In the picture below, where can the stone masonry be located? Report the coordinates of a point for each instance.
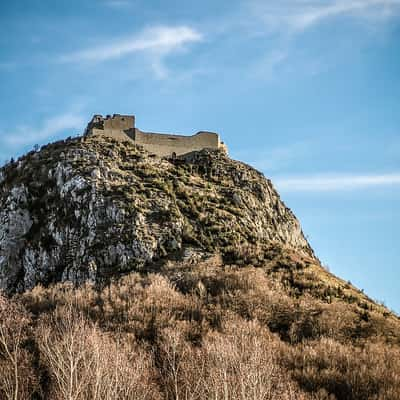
(122, 127)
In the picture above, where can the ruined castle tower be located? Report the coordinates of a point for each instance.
(122, 127)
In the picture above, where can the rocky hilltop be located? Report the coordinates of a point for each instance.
(132, 276)
(89, 208)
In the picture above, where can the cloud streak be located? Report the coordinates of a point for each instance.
(332, 183)
(299, 15)
(51, 127)
(159, 41)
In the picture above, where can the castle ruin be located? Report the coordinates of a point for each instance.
(122, 127)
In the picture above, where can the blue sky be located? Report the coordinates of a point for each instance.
(308, 91)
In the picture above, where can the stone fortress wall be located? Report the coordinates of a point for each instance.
(122, 127)
(116, 126)
(167, 145)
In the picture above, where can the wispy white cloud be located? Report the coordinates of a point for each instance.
(160, 40)
(24, 134)
(326, 183)
(154, 44)
(298, 15)
(281, 23)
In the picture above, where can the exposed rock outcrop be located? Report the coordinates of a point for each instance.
(91, 208)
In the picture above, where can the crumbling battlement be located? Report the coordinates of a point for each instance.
(122, 127)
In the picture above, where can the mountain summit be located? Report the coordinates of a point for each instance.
(95, 207)
(131, 270)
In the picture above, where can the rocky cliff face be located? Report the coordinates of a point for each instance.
(91, 208)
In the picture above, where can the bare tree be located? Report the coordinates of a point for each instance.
(65, 353)
(86, 363)
(238, 364)
(17, 379)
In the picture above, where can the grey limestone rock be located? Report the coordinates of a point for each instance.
(89, 210)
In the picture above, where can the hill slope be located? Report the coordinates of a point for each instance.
(88, 209)
(135, 277)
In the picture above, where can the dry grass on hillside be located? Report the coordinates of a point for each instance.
(203, 331)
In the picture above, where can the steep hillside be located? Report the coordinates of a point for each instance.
(126, 276)
(91, 208)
